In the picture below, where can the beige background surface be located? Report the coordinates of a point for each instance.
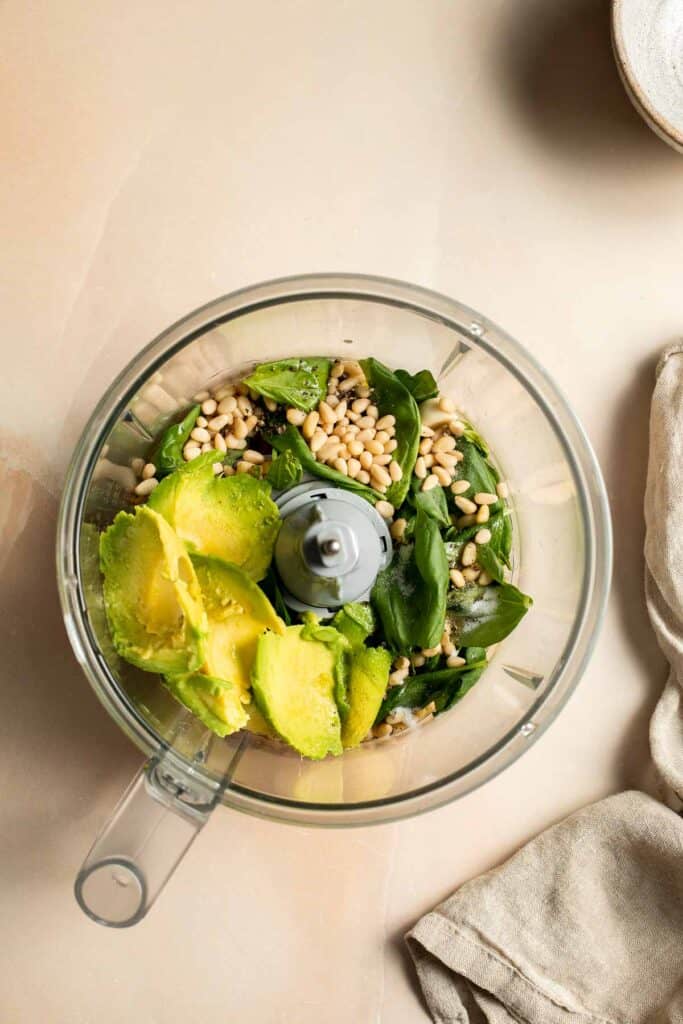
(155, 155)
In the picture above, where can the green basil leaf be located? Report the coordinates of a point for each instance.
(284, 471)
(301, 383)
(432, 565)
(421, 385)
(433, 502)
(168, 454)
(490, 556)
(475, 438)
(442, 686)
(291, 440)
(391, 396)
(478, 471)
(482, 616)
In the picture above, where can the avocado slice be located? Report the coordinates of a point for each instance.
(238, 613)
(368, 678)
(231, 517)
(151, 593)
(293, 680)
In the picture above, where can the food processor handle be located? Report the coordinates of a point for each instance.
(141, 845)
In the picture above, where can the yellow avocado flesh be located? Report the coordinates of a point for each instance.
(238, 613)
(233, 518)
(368, 679)
(151, 594)
(293, 684)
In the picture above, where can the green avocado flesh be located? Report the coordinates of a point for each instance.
(368, 678)
(151, 594)
(238, 613)
(294, 683)
(231, 517)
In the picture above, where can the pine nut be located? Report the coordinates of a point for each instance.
(482, 537)
(382, 437)
(431, 482)
(228, 471)
(339, 430)
(352, 430)
(483, 514)
(270, 404)
(398, 528)
(455, 661)
(381, 731)
(201, 435)
(375, 447)
(373, 411)
(469, 554)
(460, 486)
(217, 468)
(364, 391)
(191, 451)
(148, 471)
(310, 423)
(337, 370)
(328, 428)
(446, 443)
(239, 429)
(327, 414)
(503, 490)
(417, 660)
(363, 477)
(367, 422)
(209, 406)
(446, 460)
(420, 468)
(391, 446)
(360, 405)
(382, 460)
(425, 446)
(352, 416)
(201, 421)
(251, 422)
(226, 391)
(227, 405)
(365, 459)
(329, 451)
(256, 458)
(343, 452)
(317, 441)
(343, 421)
(442, 475)
(244, 405)
(201, 396)
(485, 498)
(355, 447)
(385, 422)
(402, 663)
(465, 505)
(146, 486)
(380, 474)
(235, 443)
(354, 467)
(219, 423)
(365, 435)
(219, 443)
(484, 579)
(207, 447)
(243, 467)
(395, 471)
(457, 428)
(448, 647)
(431, 652)
(341, 467)
(385, 509)
(457, 578)
(465, 521)
(296, 416)
(333, 401)
(397, 678)
(471, 574)
(349, 384)
(340, 410)
(137, 465)
(426, 431)
(446, 405)
(429, 460)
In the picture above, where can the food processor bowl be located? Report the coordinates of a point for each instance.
(562, 558)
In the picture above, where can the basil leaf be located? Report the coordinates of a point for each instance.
(291, 440)
(476, 664)
(421, 384)
(478, 471)
(356, 622)
(391, 396)
(443, 687)
(284, 471)
(433, 502)
(168, 454)
(490, 556)
(410, 594)
(482, 616)
(301, 383)
(475, 438)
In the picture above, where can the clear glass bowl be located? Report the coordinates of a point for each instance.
(562, 557)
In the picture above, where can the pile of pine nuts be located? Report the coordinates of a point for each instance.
(347, 432)
(438, 456)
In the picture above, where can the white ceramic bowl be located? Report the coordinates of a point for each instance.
(647, 37)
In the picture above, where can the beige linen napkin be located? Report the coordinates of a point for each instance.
(585, 924)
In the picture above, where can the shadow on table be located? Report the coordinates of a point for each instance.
(61, 753)
(556, 65)
(626, 480)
